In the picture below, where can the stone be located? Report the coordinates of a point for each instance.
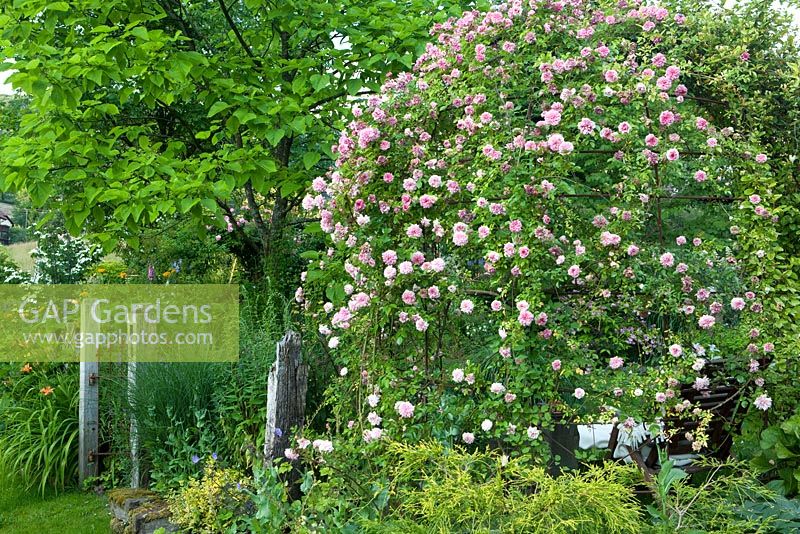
(139, 511)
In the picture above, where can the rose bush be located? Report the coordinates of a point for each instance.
(512, 191)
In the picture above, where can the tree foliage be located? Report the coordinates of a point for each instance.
(144, 110)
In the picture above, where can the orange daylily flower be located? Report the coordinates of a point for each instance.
(101, 269)
(123, 275)
(26, 368)
(46, 390)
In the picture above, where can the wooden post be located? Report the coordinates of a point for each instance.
(88, 403)
(134, 430)
(286, 395)
(134, 435)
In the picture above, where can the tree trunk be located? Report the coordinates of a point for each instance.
(286, 395)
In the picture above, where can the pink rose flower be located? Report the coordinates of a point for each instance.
(404, 409)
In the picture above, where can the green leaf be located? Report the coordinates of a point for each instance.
(313, 228)
(320, 81)
(274, 136)
(298, 124)
(299, 85)
(782, 452)
(187, 204)
(310, 159)
(58, 6)
(267, 165)
(354, 86)
(140, 32)
(217, 108)
(289, 187)
(308, 482)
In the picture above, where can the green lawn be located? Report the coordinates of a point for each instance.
(67, 513)
(21, 254)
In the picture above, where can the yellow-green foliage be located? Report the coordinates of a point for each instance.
(211, 503)
(435, 489)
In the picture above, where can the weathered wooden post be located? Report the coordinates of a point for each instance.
(88, 401)
(286, 395)
(134, 431)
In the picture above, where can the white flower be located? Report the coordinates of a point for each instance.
(763, 402)
(497, 388)
(533, 432)
(486, 425)
(322, 445)
(373, 434)
(458, 375)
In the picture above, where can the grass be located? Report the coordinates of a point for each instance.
(21, 254)
(72, 512)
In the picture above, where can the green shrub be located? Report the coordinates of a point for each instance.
(451, 490)
(430, 488)
(211, 503)
(712, 502)
(60, 258)
(176, 252)
(779, 454)
(188, 409)
(241, 398)
(39, 426)
(9, 271)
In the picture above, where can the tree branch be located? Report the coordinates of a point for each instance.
(236, 32)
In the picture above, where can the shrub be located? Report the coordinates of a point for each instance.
(427, 487)
(240, 399)
(9, 271)
(451, 490)
(213, 502)
(715, 502)
(177, 252)
(779, 454)
(514, 185)
(62, 259)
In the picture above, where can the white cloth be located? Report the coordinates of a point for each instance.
(599, 435)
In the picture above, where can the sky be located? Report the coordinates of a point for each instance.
(5, 89)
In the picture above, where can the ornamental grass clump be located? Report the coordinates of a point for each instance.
(503, 235)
